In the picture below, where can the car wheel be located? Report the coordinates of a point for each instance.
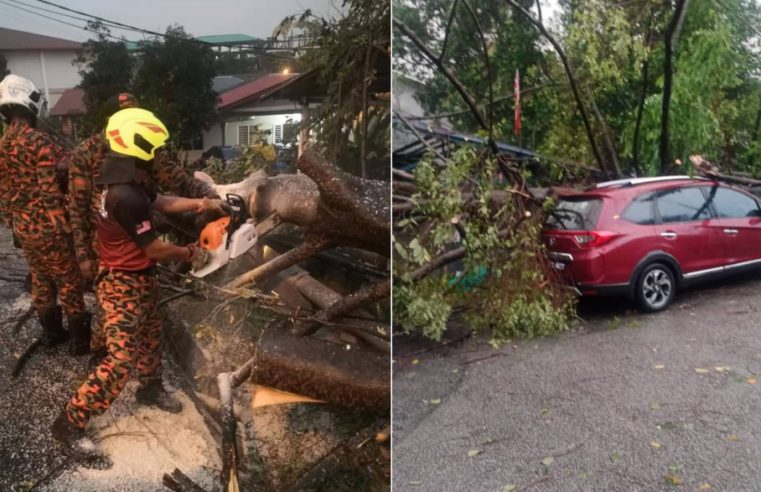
(655, 288)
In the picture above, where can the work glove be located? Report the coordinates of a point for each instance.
(197, 256)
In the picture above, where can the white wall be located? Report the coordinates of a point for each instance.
(404, 102)
(213, 136)
(60, 73)
(404, 97)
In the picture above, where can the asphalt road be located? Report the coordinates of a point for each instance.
(149, 442)
(625, 401)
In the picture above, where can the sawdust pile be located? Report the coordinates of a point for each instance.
(144, 443)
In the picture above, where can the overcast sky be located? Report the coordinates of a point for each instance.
(199, 17)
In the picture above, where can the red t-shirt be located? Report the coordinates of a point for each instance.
(125, 227)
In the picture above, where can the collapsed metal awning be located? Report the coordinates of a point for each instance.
(445, 141)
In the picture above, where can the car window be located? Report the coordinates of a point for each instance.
(731, 203)
(683, 205)
(575, 213)
(640, 210)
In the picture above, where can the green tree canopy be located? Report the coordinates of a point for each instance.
(171, 76)
(106, 69)
(617, 52)
(174, 80)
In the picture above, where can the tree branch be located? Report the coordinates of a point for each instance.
(487, 62)
(450, 257)
(352, 302)
(607, 138)
(642, 98)
(448, 30)
(496, 101)
(459, 87)
(296, 255)
(668, 74)
(419, 136)
(571, 79)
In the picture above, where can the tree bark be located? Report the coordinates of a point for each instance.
(608, 139)
(638, 123)
(352, 302)
(668, 74)
(323, 371)
(272, 267)
(757, 125)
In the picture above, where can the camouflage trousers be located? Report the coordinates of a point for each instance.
(98, 332)
(55, 272)
(132, 324)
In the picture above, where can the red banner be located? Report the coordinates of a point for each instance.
(517, 126)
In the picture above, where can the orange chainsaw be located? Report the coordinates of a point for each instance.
(227, 238)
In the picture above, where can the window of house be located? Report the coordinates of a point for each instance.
(278, 133)
(244, 132)
(683, 205)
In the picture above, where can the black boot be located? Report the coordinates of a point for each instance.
(79, 328)
(75, 439)
(52, 327)
(153, 393)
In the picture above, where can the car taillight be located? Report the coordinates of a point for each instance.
(594, 238)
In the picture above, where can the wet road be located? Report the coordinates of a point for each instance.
(624, 402)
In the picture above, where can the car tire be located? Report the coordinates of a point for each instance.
(655, 288)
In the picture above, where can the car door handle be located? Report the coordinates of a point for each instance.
(731, 232)
(668, 235)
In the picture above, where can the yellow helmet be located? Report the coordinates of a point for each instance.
(136, 132)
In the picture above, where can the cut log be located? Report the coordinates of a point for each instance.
(709, 170)
(326, 202)
(323, 371)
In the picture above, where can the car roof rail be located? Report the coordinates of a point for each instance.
(637, 181)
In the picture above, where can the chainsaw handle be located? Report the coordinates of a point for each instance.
(238, 215)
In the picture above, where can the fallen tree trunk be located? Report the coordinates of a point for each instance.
(707, 169)
(323, 371)
(331, 207)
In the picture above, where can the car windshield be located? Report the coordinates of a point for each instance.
(575, 213)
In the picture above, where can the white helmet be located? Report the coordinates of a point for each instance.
(20, 91)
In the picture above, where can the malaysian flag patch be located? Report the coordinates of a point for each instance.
(144, 227)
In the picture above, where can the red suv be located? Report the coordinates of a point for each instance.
(647, 237)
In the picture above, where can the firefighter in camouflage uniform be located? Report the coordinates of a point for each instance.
(84, 197)
(34, 206)
(128, 249)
